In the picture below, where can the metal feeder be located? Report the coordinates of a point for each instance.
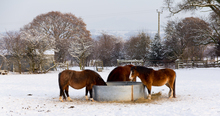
(119, 91)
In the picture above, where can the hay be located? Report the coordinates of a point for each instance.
(155, 99)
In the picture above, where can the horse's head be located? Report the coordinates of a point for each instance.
(133, 73)
(100, 81)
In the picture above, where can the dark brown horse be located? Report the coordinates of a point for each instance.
(120, 73)
(150, 77)
(78, 80)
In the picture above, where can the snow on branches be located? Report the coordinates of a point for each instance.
(79, 49)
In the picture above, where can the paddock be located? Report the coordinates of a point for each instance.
(38, 94)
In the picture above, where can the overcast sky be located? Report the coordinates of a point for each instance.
(97, 14)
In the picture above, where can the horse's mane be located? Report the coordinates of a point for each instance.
(130, 65)
(143, 70)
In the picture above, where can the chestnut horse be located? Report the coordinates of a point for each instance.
(120, 73)
(150, 77)
(78, 80)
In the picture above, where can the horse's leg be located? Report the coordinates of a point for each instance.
(167, 84)
(90, 92)
(170, 94)
(174, 88)
(149, 91)
(61, 94)
(67, 94)
(86, 96)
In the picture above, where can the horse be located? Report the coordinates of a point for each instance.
(120, 73)
(78, 80)
(150, 77)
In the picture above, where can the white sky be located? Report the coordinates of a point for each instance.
(97, 14)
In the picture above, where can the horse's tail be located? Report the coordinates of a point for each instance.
(60, 86)
(174, 87)
(59, 80)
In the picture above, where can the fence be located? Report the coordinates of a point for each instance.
(135, 62)
(195, 63)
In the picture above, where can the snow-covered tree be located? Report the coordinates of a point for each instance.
(2, 51)
(192, 5)
(36, 43)
(156, 52)
(13, 46)
(80, 49)
(108, 48)
(174, 41)
(63, 27)
(138, 46)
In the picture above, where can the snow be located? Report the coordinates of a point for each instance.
(198, 93)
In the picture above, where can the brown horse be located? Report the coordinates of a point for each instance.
(78, 80)
(150, 77)
(120, 73)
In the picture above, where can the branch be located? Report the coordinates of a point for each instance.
(50, 68)
(192, 6)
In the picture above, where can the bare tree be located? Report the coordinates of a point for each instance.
(174, 44)
(192, 5)
(15, 48)
(187, 38)
(137, 47)
(36, 43)
(2, 51)
(215, 25)
(107, 48)
(63, 28)
(80, 49)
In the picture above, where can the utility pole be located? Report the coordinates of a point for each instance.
(159, 12)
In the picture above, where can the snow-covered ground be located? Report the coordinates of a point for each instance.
(198, 93)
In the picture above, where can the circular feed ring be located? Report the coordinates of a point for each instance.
(119, 91)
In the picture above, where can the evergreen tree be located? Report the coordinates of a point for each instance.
(156, 53)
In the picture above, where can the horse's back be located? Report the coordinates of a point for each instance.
(165, 74)
(120, 73)
(66, 74)
(168, 72)
(94, 78)
(80, 79)
(115, 74)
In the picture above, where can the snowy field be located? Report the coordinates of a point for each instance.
(198, 93)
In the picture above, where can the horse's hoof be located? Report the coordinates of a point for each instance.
(91, 99)
(87, 98)
(171, 96)
(149, 97)
(69, 99)
(60, 99)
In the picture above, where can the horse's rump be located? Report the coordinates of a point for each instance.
(120, 73)
(163, 76)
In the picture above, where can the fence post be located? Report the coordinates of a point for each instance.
(177, 64)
